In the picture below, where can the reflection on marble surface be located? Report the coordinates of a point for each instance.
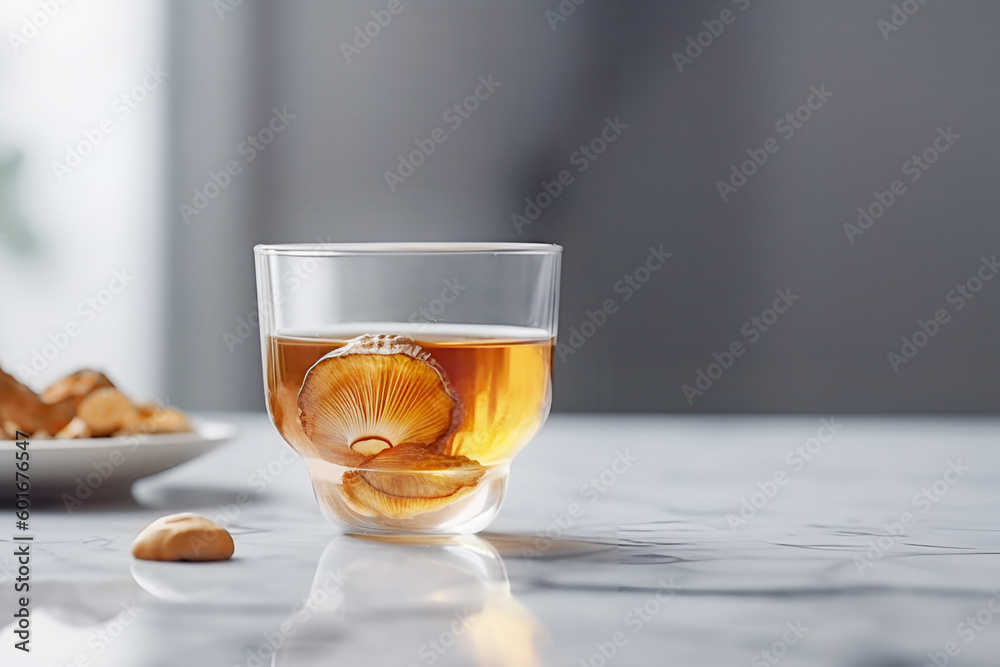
(374, 595)
(724, 541)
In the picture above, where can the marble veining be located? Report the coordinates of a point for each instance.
(624, 540)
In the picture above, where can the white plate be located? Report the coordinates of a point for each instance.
(89, 467)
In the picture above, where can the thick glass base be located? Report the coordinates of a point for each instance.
(469, 512)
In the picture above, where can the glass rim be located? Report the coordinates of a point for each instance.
(404, 248)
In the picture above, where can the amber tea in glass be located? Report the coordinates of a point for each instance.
(408, 426)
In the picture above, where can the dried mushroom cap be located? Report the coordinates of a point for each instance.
(153, 418)
(77, 384)
(105, 410)
(374, 393)
(21, 409)
(76, 428)
(186, 536)
(409, 470)
(408, 480)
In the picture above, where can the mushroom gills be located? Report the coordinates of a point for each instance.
(373, 394)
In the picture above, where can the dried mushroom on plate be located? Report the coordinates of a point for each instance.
(84, 404)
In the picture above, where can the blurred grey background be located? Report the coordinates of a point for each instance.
(887, 93)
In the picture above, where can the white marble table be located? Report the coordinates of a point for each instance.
(625, 537)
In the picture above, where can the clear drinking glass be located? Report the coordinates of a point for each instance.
(408, 375)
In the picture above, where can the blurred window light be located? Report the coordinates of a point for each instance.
(82, 134)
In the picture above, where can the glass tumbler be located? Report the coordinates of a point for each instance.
(408, 375)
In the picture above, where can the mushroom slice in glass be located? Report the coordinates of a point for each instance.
(409, 480)
(374, 393)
